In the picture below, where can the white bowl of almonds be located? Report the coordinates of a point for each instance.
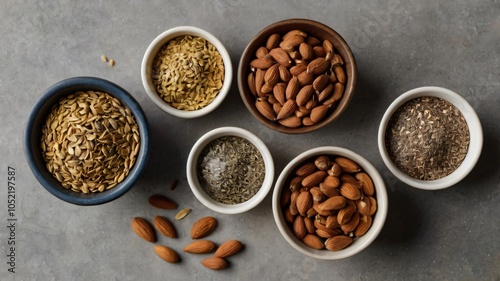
(430, 138)
(330, 203)
(230, 170)
(187, 72)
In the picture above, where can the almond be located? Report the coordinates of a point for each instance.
(296, 183)
(366, 183)
(277, 107)
(316, 206)
(335, 170)
(291, 122)
(299, 228)
(164, 227)
(289, 218)
(287, 109)
(322, 233)
(261, 52)
(326, 92)
(292, 41)
(286, 194)
(143, 229)
(266, 88)
(161, 202)
(293, 208)
(331, 182)
(200, 247)
(365, 222)
(350, 179)
(373, 205)
(314, 178)
(311, 103)
(345, 215)
(364, 206)
(333, 77)
(295, 55)
(318, 113)
(351, 224)
(214, 263)
(251, 84)
(339, 73)
(262, 63)
(312, 211)
(338, 242)
(328, 46)
(292, 88)
(272, 75)
(203, 227)
(306, 121)
(308, 223)
(306, 51)
(228, 248)
(338, 91)
(332, 222)
(295, 32)
(333, 203)
(273, 41)
(313, 241)
(317, 195)
(319, 52)
(297, 69)
(348, 165)
(281, 57)
(265, 109)
(304, 202)
(305, 78)
(166, 253)
(259, 81)
(279, 93)
(318, 66)
(313, 41)
(304, 94)
(328, 190)
(336, 59)
(323, 227)
(350, 191)
(320, 82)
(306, 169)
(284, 73)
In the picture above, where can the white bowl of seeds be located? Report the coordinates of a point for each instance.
(230, 170)
(430, 138)
(187, 72)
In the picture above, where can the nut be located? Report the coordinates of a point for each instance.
(200, 247)
(214, 263)
(313, 241)
(229, 248)
(203, 227)
(143, 229)
(166, 253)
(338, 242)
(162, 202)
(164, 227)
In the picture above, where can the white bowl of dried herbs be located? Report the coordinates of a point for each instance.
(186, 71)
(430, 138)
(230, 170)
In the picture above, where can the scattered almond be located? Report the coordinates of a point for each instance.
(228, 248)
(203, 227)
(164, 227)
(162, 202)
(214, 263)
(143, 229)
(166, 253)
(200, 247)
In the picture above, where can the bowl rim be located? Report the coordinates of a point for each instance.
(351, 83)
(362, 242)
(159, 42)
(52, 95)
(475, 132)
(204, 198)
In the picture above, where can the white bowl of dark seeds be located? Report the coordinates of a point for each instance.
(430, 138)
(230, 170)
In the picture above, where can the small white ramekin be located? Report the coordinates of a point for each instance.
(192, 173)
(149, 57)
(475, 132)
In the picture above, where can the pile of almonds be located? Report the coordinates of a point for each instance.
(200, 229)
(329, 202)
(296, 79)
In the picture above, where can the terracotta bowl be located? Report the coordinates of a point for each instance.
(311, 28)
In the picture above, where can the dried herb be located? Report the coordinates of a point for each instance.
(231, 170)
(427, 138)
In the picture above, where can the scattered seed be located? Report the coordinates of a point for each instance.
(112, 62)
(182, 213)
(104, 58)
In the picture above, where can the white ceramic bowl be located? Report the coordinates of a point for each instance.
(359, 243)
(192, 175)
(149, 57)
(475, 130)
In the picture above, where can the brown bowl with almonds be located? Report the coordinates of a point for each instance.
(296, 76)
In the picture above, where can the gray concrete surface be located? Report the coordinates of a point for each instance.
(399, 45)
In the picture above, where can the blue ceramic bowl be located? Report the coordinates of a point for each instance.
(33, 134)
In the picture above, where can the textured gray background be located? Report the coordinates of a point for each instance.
(399, 45)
